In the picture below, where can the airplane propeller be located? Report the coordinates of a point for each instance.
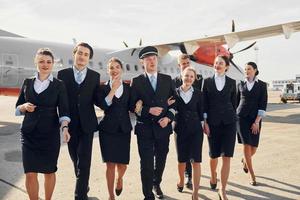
(231, 55)
(134, 49)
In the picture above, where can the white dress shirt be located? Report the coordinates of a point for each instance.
(186, 96)
(40, 86)
(118, 92)
(220, 81)
(250, 84)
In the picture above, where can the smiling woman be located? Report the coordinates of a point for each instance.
(39, 99)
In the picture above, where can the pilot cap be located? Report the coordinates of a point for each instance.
(148, 51)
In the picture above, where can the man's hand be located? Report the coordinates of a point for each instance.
(170, 101)
(163, 122)
(156, 111)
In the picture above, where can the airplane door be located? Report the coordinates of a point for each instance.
(9, 70)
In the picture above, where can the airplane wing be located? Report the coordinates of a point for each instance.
(4, 33)
(230, 38)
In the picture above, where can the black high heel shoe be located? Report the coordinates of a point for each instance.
(244, 166)
(119, 191)
(213, 186)
(179, 188)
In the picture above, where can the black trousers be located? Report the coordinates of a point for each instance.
(153, 154)
(80, 150)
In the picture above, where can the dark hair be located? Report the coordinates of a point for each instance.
(45, 52)
(115, 59)
(254, 66)
(86, 45)
(225, 58)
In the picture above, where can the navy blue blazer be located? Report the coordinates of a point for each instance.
(189, 116)
(141, 89)
(249, 102)
(116, 116)
(82, 99)
(220, 106)
(45, 117)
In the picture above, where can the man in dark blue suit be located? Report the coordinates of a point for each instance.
(82, 86)
(153, 126)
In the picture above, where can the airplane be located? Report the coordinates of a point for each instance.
(17, 53)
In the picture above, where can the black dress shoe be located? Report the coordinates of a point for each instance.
(189, 184)
(213, 186)
(157, 191)
(179, 188)
(244, 166)
(118, 191)
(253, 183)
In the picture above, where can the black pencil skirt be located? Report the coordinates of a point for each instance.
(222, 140)
(115, 147)
(245, 135)
(40, 150)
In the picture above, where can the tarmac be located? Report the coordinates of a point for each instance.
(276, 163)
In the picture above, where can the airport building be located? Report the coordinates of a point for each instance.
(278, 84)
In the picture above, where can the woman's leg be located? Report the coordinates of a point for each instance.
(121, 171)
(196, 179)
(249, 151)
(181, 169)
(32, 185)
(213, 167)
(49, 185)
(110, 177)
(224, 176)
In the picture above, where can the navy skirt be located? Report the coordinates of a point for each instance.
(245, 135)
(115, 147)
(40, 151)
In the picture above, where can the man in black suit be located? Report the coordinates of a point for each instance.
(82, 86)
(184, 62)
(153, 126)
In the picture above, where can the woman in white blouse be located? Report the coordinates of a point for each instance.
(188, 129)
(39, 99)
(252, 103)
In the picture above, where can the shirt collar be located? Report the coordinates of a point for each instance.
(218, 76)
(255, 80)
(110, 81)
(77, 71)
(149, 75)
(189, 90)
(49, 78)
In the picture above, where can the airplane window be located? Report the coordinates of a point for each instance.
(136, 68)
(165, 69)
(70, 62)
(100, 65)
(9, 62)
(172, 70)
(91, 63)
(127, 67)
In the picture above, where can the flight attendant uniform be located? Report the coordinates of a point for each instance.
(115, 126)
(188, 127)
(252, 101)
(40, 133)
(219, 109)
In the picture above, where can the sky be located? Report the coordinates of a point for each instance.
(107, 23)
